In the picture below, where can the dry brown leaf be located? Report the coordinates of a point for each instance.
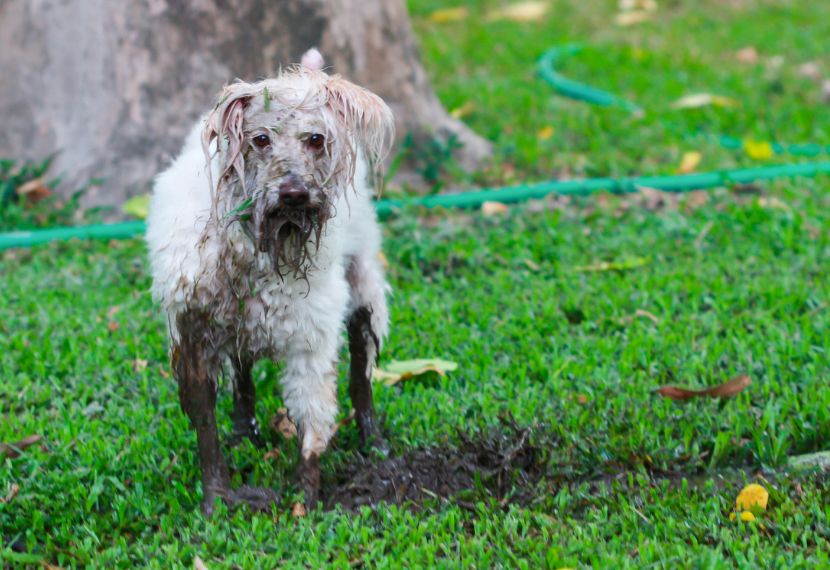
(582, 399)
(198, 564)
(112, 326)
(298, 510)
(34, 190)
(48, 566)
(748, 55)
(344, 422)
(493, 208)
(522, 12)
(272, 454)
(727, 389)
(13, 450)
(139, 364)
(689, 162)
(283, 424)
(13, 491)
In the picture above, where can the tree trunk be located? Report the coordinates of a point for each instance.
(113, 86)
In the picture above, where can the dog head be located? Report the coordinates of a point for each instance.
(287, 147)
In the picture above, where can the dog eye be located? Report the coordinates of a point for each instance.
(261, 141)
(316, 141)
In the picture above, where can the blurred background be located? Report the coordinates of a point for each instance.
(97, 96)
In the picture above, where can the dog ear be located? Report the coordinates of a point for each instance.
(225, 125)
(363, 115)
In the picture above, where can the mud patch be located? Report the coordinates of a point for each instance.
(503, 465)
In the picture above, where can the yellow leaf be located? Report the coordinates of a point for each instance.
(746, 516)
(758, 150)
(398, 371)
(137, 206)
(521, 12)
(697, 100)
(493, 208)
(448, 15)
(545, 133)
(463, 110)
(752, 495)
(689, 162)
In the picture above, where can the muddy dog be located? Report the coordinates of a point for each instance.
(264, 243)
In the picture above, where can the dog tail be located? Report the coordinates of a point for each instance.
(313, 60)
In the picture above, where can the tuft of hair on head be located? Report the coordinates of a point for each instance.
(313, 60)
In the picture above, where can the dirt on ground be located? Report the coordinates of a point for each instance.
(502, 465)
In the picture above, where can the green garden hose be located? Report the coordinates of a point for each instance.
(512, 194)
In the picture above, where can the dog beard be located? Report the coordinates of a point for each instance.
(291, 237)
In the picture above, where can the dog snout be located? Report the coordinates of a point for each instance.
(293, 193)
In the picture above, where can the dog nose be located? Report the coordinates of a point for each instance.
(293, 193)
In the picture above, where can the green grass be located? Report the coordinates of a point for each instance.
(736, 286)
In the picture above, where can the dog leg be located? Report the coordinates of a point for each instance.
(363, 349)
(310, 394)
(244, 403)
(197, 395)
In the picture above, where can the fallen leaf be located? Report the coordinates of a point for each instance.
(545, 133)
(283, 424)
(629, 5)
(810, 70)
(752, 496)
(633, 18)
(198, 564)
(532, 265)
(112, 326)
(773, 203)
(727, 389)
(447, 15)
(493, 208)
(698, 100)
(747, 55)
(34, 190)
(272, 454)
(645, 314)
(820, 460)
(13, 450)
(758, 150)
(298, 510)
(345, 421)
(398, 371)
(137, 206)
(463, 111)
(13, 491)
(689, 162)
(139, 365)
(521, 12)
(582, 399)
(632, 263)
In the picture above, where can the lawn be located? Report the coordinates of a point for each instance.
(693, 292)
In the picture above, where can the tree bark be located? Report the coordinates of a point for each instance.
(112, 86)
